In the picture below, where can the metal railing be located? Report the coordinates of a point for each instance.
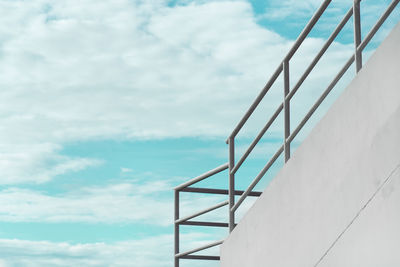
(283, 67)
(288, 94)
(187, 220)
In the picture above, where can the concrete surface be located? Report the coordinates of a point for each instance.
(337, 201)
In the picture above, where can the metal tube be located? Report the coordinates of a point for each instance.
(200, 257)
(377, 26)
(291, 52)
(257, 139)
(176, 229)
(357, 34)
(257, 179)
(231, 183)
(219, 205)
(203, 176)
(256, 102)
(321, 53)
(308, 28)
(286, 109)
(213, 244)
(321, 98)
(218, 191)
(211, 224)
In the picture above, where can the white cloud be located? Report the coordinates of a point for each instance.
(80, 70)
(37, 163)
(125, 202)
(151, 64)
(154, 251)
(126, 170)
(130, 202)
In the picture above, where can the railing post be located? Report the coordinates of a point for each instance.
(176, 230)
(357, 34)
(231, 144)
(286, 109)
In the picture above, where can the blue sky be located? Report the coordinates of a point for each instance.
(108, 105)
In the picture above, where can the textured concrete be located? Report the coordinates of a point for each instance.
(337, 201)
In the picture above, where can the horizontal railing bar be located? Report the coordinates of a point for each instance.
(321, 53)
(271, 81)
(210, 245)
(212, 224)
(203, 176)
(224, 203)
(307, 29)
(257, 179)
(257, 139)
(378, 25)
(218, 191)
(200, 257)
(256, 102)
(321, 98)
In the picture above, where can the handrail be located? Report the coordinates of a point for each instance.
(283, 67)
(284, 105)
(379, 23)
(201, 223)
(327, 44)
(210, 245)
(203, 176)
(186, 221)
(257, 179)
(200, 257)
(218, 191)
(257, 139)
(219, 205)
(185, 187)
(289, 55)
(321, 98)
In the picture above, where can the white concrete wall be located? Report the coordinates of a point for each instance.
(336, 202)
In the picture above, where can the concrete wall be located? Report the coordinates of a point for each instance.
(337, 201)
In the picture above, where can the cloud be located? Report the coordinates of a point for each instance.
(153, 251)
(84, 70)
(129, 202)
(37, 163)
(126, 170)
(75, 63)
(124, 202)
(127, 70)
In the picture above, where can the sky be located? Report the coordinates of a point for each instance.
(106, 106)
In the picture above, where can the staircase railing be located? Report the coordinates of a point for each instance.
(288, 94)
(187, 220)
(283, 67)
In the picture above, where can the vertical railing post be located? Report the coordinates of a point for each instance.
(357, 34)
(231, 144)
(286, 109)
(176, 230)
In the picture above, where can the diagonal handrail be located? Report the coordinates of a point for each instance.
(284, 105)
(210, 245)
(187, 218)
(292, 51)
(202, 177)
(283, 67)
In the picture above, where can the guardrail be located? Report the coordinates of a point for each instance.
(187, 220)
(288, 94)
(283, 67)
